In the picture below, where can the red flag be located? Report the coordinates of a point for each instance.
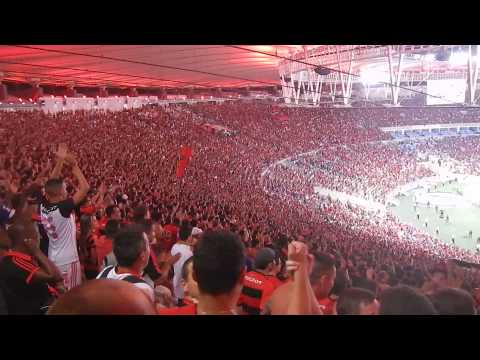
(185, 155)
(185, 152)
(280, 117)
(181, 166)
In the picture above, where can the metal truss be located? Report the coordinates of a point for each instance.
(300, 83)
(327, 55)
(472, 74)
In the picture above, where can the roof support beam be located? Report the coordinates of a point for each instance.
(395, 74)
(472, 74)
(346, 80)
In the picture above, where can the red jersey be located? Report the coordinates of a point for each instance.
(257, 289)
(104, 246)
(327, 305)
(172, 230)
(100, 226)
(88, 210)
(102, 222)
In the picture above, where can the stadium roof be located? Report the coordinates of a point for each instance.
(171, 66)
(142, 65)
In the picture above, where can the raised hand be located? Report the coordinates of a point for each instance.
(62, 151)
(102, 188)
(370, 273)
(71, 160)
(297, 255)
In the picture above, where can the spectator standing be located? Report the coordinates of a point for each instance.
(132, 251)
(181, 251)
(58, 219)
(259, 284)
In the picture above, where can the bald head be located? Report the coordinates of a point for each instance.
(21, 230)
(104, 297)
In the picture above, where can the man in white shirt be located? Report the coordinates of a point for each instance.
(58, 219)
(181, 252)
(132, 251)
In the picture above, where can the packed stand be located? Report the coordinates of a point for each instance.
(121, 214)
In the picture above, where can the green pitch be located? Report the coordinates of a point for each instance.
(461, 219)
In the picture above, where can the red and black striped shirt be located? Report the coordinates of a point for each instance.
(22, 295)
(257, 289)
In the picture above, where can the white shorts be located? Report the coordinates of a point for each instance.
(72, 275)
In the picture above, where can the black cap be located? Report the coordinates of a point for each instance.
(264, 257)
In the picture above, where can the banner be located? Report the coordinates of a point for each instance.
(280, 117)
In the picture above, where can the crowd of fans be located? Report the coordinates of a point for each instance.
(89, 195)
(367, 170)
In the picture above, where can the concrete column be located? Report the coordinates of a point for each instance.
(3, 92)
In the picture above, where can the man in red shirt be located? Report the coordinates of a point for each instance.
(218, 270)
(172, 230)
(259, 284)
(112, 212)
(322, 278)
(104, 242)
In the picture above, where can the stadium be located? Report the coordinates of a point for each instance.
(239, 179)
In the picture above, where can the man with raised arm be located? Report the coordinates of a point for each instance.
(58, 219)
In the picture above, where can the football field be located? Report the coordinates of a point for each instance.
(463, 216)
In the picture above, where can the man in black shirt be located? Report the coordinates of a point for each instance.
(25, 273)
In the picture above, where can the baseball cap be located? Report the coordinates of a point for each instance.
(196, 231)
(264, 257)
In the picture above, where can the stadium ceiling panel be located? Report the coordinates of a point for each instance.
(173, 66)
(142, 65)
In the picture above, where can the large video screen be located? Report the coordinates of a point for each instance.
(451, 91)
